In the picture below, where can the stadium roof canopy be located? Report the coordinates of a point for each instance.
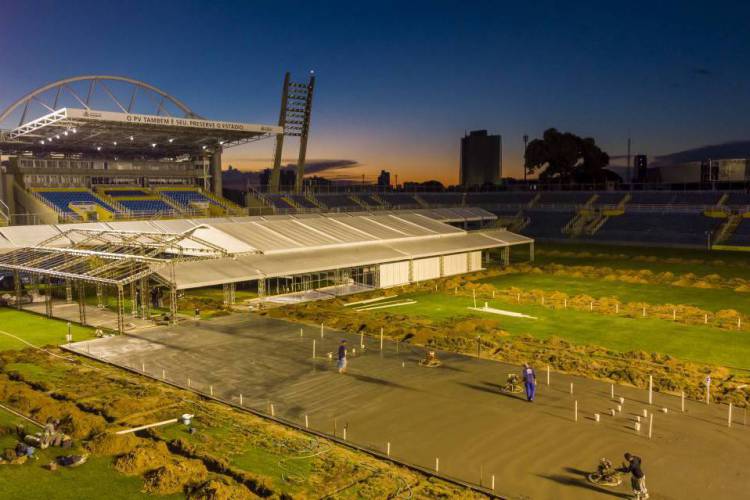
(221, 251)
(113, 115)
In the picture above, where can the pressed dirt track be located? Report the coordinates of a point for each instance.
(454, 412)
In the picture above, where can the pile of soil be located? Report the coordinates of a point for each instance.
(174, 476)
(145, 457)
(113, 444)
(220, 489)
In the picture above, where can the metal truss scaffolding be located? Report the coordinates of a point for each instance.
(108, 258)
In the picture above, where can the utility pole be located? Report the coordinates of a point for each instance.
(525, 142)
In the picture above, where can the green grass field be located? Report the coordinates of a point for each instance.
(36, 329)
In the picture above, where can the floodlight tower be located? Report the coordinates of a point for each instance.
(294, 118)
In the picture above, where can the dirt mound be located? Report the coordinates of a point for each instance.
(112, 444)
(143, 458)
(220, 489)
(174, 476)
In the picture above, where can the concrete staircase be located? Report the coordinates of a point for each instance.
(727, 229)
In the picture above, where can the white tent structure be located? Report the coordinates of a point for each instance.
(294, 253)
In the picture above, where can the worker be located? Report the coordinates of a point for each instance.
(529, 381)
(637, 476)
(341, 365)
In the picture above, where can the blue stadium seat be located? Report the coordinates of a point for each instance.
(741, 235)
(150, 207)
(117, 193)
(658, 227)
(184, 197)
(337, 201)
(62, 199)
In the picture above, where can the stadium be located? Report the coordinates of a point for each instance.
(136, 288)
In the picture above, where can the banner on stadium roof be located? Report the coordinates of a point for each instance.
(169, 121)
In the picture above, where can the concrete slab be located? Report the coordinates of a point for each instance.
(95, 316)
(455, 412)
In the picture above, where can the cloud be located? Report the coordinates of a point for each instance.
(734, 149)
(319, 166)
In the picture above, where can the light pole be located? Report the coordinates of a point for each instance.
(525, 142)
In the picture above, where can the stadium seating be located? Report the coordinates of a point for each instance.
(741, 235)
(609, 197)
(403, 200)
(442, 199)
(148, 206)
(738, 198)
(184, 197)
(658, 228)
(370, 200)
(61, 199)
(547, 224)
(500, 198)
(278, 201)
(301, 201)
(338, 201)
(565, 197)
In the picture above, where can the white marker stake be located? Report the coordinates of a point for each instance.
(188, 381)
(591, 306)
(682, 401)
(518, 298)
(143, 367)
(565, 303)
(344, 433)
(571, 387)
(273, 413)
(617, 308)
(240, 399)
(493, 294)
(163, 374)
(321, 330)
(437, 464)
(729, 418)
(547, 374)
(474, 295)
(650, 425)
(612, 391)
(211, 390)
(388, 449)
(300, 332)
(313, 348)
(644, 312)
(650, 389)
(705, 319)
(362, 340)
(575, 411)
(381, 339)
(307, 422)
(674, 314)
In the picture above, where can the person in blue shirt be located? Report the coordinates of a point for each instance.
(529, 381)
(341, 365)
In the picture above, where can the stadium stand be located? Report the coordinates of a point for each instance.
(63, 199)
(565, 197)
(125, 193)
(443, 199)
(500, 198)
(663, 228)
(547, 224)
(278, 201)
(186, 196)
(400, 200)
(301, 201)
(741, 235)
(737, 198)
(151, 207)
(337, 201)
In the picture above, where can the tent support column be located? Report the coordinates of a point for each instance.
(82, 302)
(99, 294)
(120, 310)
(133, 300)
(17, 283)
(48, 298)
(225, 289)
(68, 291)
(232, 290)
(172, 305)
(531, 251)
(261, 287)
(145, 313)
(506, 256)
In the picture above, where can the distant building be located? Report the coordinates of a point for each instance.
(481, 159)
(384, 179)
(720, 170)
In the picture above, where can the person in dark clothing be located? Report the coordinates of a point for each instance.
(637, 478)
(529, 381)
(341, 365)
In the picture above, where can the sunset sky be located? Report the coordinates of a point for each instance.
(400, 82)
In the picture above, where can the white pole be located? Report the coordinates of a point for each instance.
(729, 418)
(542, 299)
(650, 389)
(163, 374)
(307, 422)
(575, 411)
(300, 332)
(361, 340)
(682, 401)
(650, 424)
(518, 298)
(321, 330)
(493, 482)
(612, 391)
(143, 367)
(211, 389)
(240, 399)
(188, 381)
(617, 308)
(313, 348)
(705, 319)
(273, 413)
(388, 449)
(565, 303)
(591, 305)
(547, 374)
(674, 314)
(493, 294)
(381, 338)
(437, 464)
(644, 311)
(474, 295)
(571, 387)
(344, 433)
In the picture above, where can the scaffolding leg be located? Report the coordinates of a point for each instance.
(48, 298)
(82, 302)
(99, 295)
(120, 310)
(172, 305)
(145, 313)
(133, 300)
(17, 283)
(531, 251)
(261, 288)
(506, 256)
(225, 288)
(232, 290)
(68, 291)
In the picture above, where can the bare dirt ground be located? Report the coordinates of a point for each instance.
(455, 412)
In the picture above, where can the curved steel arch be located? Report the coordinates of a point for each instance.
(61, 84)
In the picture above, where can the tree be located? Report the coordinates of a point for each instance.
(567, 158)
